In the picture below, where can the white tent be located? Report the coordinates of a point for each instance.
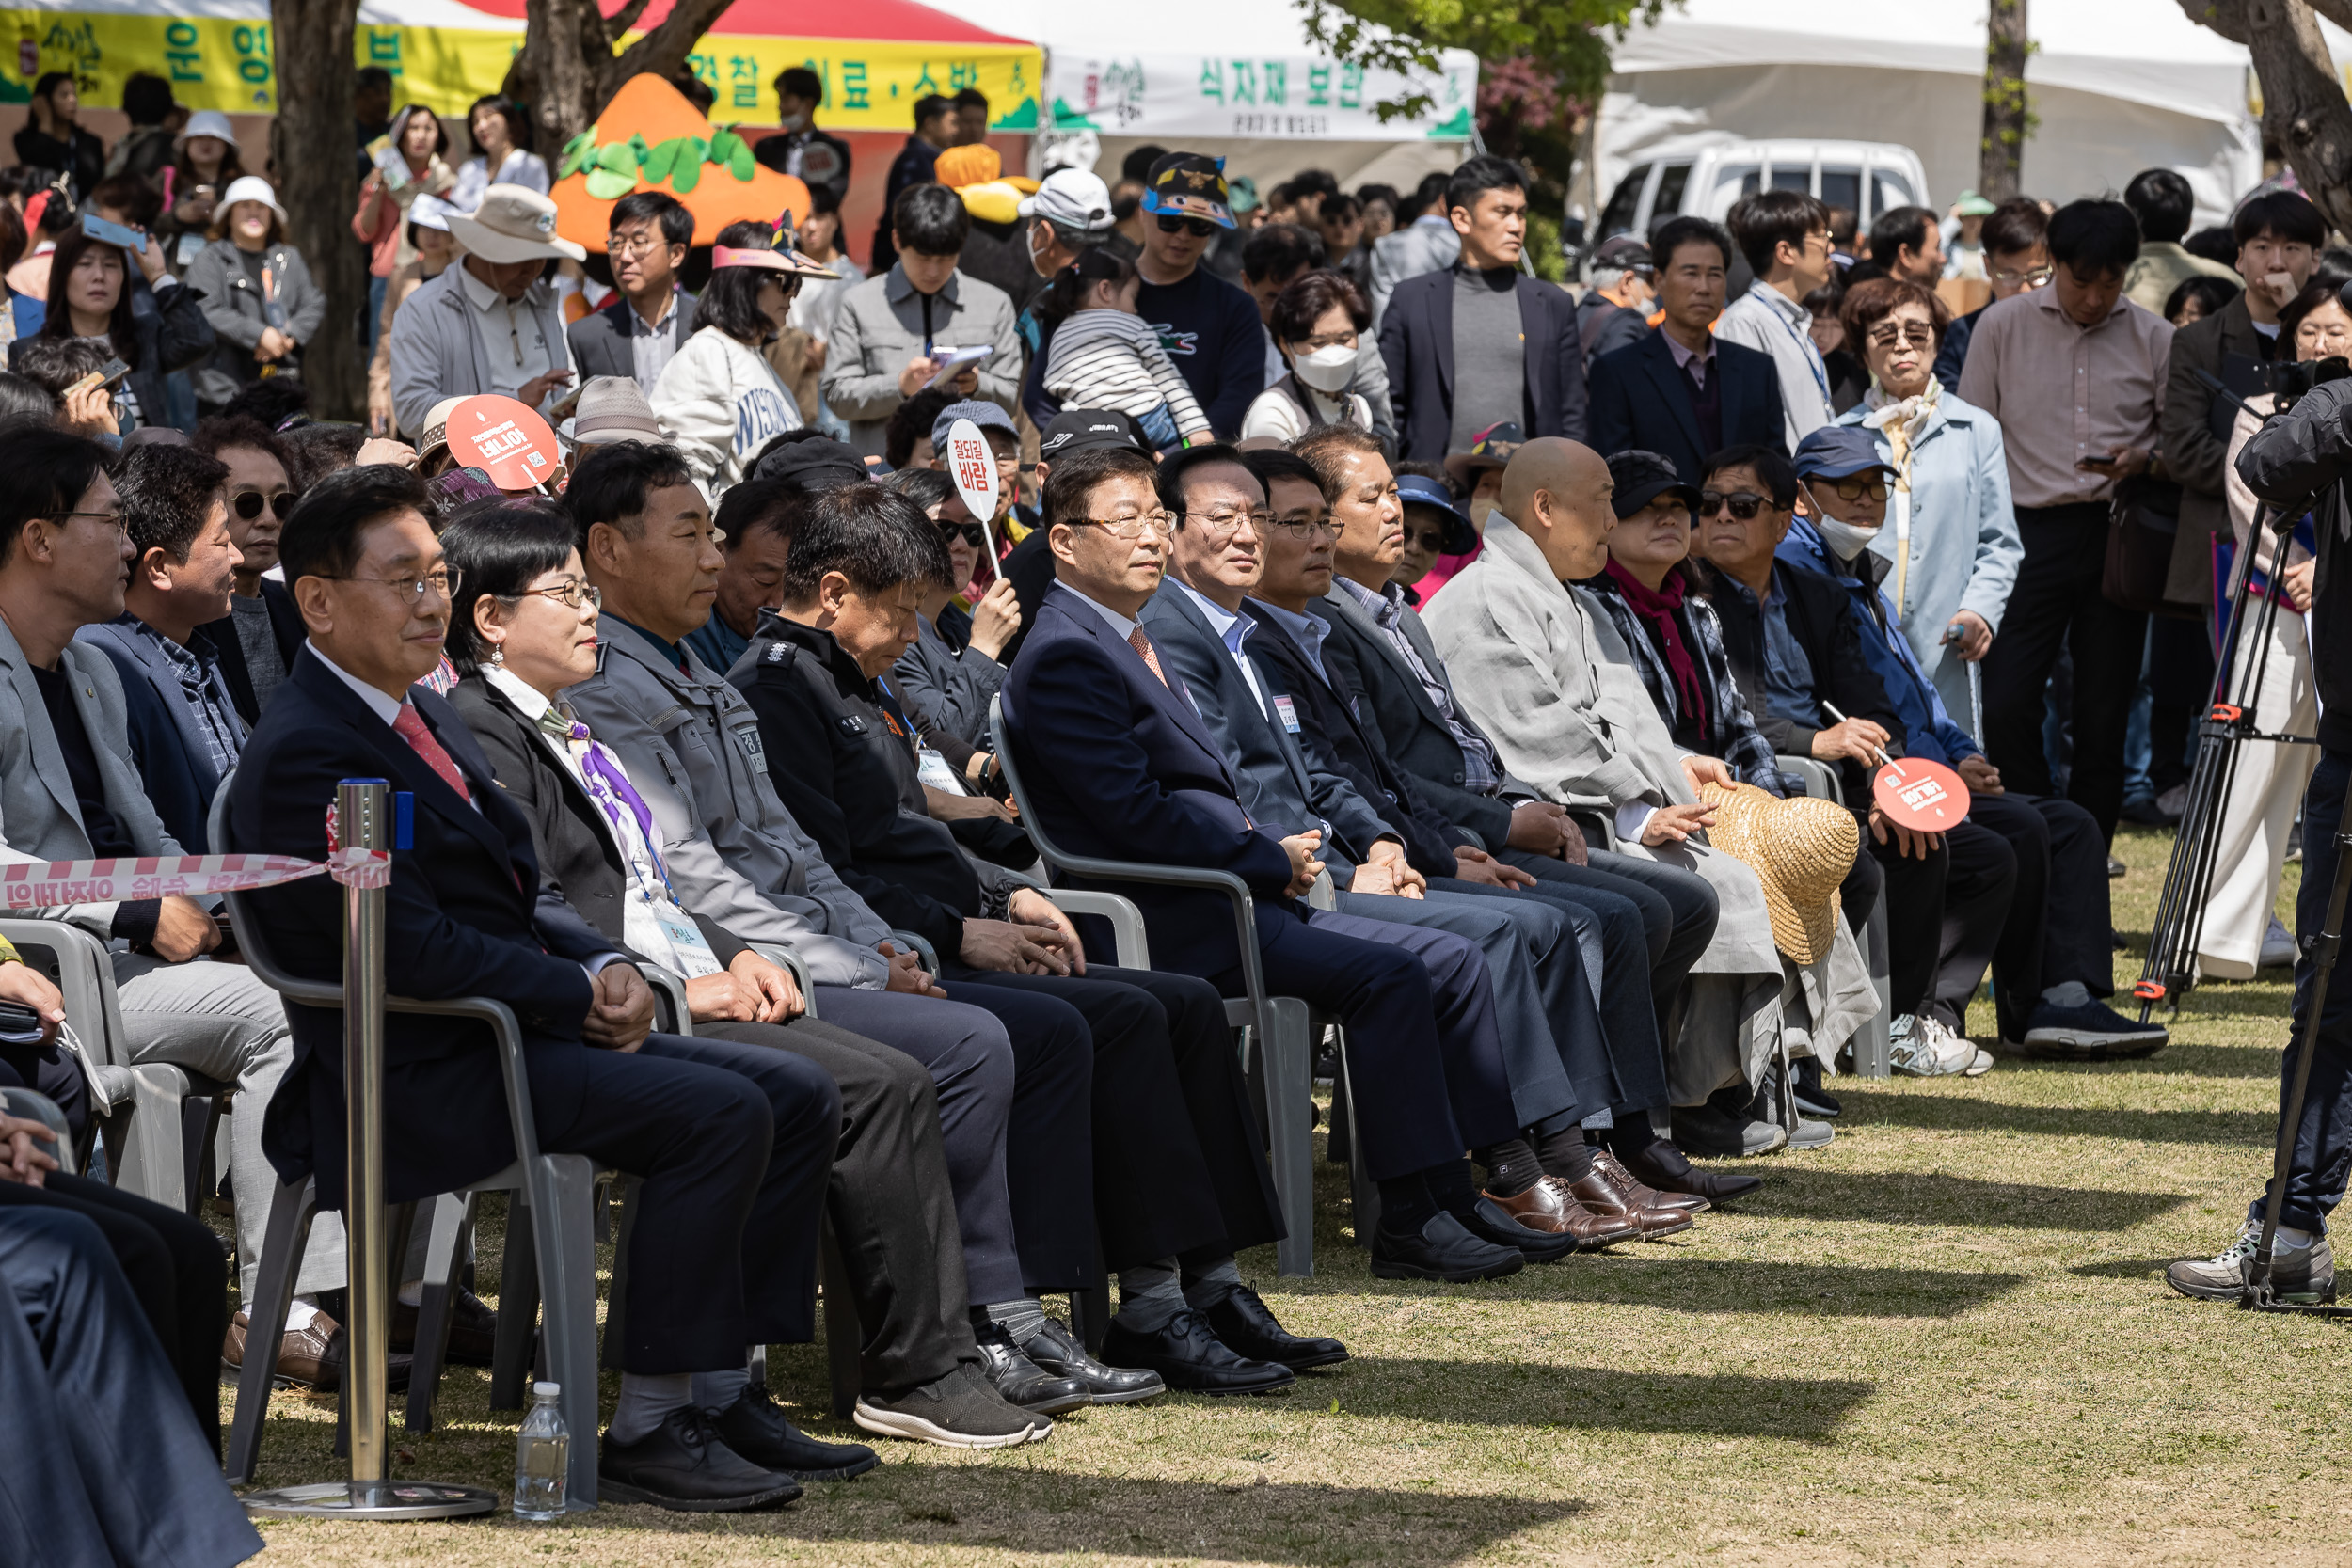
(1233, 77)
(2117, 86)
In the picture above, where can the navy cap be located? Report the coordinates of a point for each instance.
(1642, 477)
(986, 415)
(1839, 451)
(1420, 490)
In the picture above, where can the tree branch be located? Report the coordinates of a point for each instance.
(623, 20)
(2337, 11)
(663, 50)
(2226, 17)
(2304, 110)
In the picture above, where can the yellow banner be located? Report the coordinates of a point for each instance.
(223, 64)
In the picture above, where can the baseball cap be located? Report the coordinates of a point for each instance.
(1837, 452)
(1085, 430)
(1070, 199)
(1241, 194)
(1642, 477)
(1490, 448)
(1186, 184)
(1971, 205)
(1420, 490)
(1622, 252)
(988, 415)
(819, 463)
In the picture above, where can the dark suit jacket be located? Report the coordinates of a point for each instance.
(600, 339)
(175, 766)
(1118, 765)
(1641, 401)
(578, 859)
(1820, 621)
(1284, 791)
(465, 916)
(1417, 343)
(1397, 712)
(285, 624)
(2197, 443)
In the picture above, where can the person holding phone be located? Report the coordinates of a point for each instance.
(93, 290)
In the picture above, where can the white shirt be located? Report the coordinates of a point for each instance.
(1768, 321)
(512, 342)
(383, 706)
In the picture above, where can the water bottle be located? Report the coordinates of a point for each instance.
(541, 1457)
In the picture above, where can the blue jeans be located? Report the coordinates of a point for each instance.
(1159, 427)
(2322, 1142)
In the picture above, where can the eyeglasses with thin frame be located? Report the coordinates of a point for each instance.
(1161, 522)
(1306, 528)
(1170, 222)
(571, 592)
(1743, 504)
(2032, 277)
(1222, 525)
(249, 503)
(635, 244)
(115, 518)
(443, 580)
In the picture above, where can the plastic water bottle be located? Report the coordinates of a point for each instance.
(541, 1457)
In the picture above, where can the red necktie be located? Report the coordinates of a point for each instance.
(410, 727)
(1143, 645)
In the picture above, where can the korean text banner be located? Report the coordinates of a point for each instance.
(1302, 97)
(227, 62)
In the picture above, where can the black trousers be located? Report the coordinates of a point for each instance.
(1679, 909)
(733, 1145)
(1915, 893)
(98, 1466)
(2323, 1139)
(891, 1206)
(2027, 893)
(176, 1272)
(2058, 598)
(1167, 1092)
(50, 1070)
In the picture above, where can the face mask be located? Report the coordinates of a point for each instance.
(1845, 540)
(1327, 369)
(795, 122)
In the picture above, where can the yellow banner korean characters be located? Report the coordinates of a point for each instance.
(229, 64)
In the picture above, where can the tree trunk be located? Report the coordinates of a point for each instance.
(318, 183)
(2007, 120)
(2304, 109)
(566, 71)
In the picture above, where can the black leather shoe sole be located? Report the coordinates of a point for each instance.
(1300, 1362)
(1272, 1384)
(1398, 1268)
(611, 1489)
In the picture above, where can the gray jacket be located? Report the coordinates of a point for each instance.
(437, 345)
(237, 313)
(946, 688)
(40, 817)
(1422, 246)
(691, 744)
(878, 328)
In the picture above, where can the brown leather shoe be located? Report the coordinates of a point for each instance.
(1551, 1206)
(1645, 1195)
(473, 1327)
(1600, 1194)
(310, 1356)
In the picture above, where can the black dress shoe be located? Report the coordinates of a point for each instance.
(1021, 1381)
(1440, 1249)
(1059, 1351)
(1246, 1326)
(1191, 1359)
(756, 1430)
(1663, 1167)
(473, 1327)
(683, 1466)
(1490, 1222)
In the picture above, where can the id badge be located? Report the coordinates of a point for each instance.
(687, 945)
(933, 770)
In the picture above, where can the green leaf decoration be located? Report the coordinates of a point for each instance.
(578, 151)
(686, 171)
(723, 146)
(619, 158)
(742, 164)
(656, 163)
(609, 185)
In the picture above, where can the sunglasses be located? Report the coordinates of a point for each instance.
(1201, 228)
(249, 504)
(1743, 504)
(971, 531)
(1857, 486)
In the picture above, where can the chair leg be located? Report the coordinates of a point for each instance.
(197, 1115)
(623, 1194)
(566, 1246)
(1090, 1315)
(289, 1232)
(151, 1161)
(1364, 1195)
(1872, 1042)
(452, 1216)
(1286, 1052)
(1340, 1147)
(845, 1335)
(519, 1308)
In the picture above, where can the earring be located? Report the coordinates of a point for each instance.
(498, 659)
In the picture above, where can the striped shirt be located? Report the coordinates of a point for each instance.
(1110, 359)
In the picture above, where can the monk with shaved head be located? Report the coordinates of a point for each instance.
(1540, 667)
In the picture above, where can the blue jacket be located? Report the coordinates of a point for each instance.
(1119, 766)
(174, 760)
(1924, 728)
(1640, 400)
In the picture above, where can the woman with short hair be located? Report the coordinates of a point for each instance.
(1318, 318)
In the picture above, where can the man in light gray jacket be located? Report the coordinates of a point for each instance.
(488, 324)
(1428, 244)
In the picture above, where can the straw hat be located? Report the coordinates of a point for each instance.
(1799, 849)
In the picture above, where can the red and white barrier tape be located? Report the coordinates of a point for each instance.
(56, 883)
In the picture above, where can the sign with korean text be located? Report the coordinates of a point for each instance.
(1292, 98)
(972, 466)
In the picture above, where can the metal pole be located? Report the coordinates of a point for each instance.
(363, 818)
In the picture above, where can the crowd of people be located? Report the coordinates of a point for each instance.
(1528, 656)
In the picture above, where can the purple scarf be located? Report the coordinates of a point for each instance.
(1660, 608)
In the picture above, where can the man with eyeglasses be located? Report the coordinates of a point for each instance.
(640, 327)
(2016, 259)
(69, 791)
(1784, 237)
(1209, 327)
(263, 631)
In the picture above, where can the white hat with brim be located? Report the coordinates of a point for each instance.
(252, 187)
(513, 223)
(206, 122)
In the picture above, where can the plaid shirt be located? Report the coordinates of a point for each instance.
(207, 696)
(1481, 769)
(1737, 741)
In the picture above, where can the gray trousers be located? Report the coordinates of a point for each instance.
(1531, 958)
(218, 1020)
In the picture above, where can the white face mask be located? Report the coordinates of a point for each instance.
(794, 122)
(1845, 540)
(1327, 369)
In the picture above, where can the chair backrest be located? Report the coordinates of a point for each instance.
(252, 938)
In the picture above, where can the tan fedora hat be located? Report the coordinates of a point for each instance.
(1799, 849)
(513, 223)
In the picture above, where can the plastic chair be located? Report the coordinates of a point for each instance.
(159, 1130)
(1870, 1043)
(1285, 1028)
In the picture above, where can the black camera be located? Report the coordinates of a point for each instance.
(2291, 379)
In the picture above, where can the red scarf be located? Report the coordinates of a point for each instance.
(1657, 607)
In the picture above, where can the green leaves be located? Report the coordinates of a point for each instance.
(656, 163)
(685, 172)
(576, 152)
(614, 168)
(1567, 39)
(606, 185)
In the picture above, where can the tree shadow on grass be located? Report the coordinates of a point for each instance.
(1947, 1113)
(1601, 1398)
(1719, 1285)
(1905, 1197)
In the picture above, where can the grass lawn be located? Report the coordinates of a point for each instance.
(1942, 1339)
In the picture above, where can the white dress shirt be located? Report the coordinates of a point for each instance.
(512, 342)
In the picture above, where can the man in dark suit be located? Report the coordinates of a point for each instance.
(1512, 338)
(649, 316)
(1121, 767)
(1678, 390)
(257, 639)
(731, 1142)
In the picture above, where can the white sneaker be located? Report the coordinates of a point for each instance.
(2278, 947)
(1920, 1046)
